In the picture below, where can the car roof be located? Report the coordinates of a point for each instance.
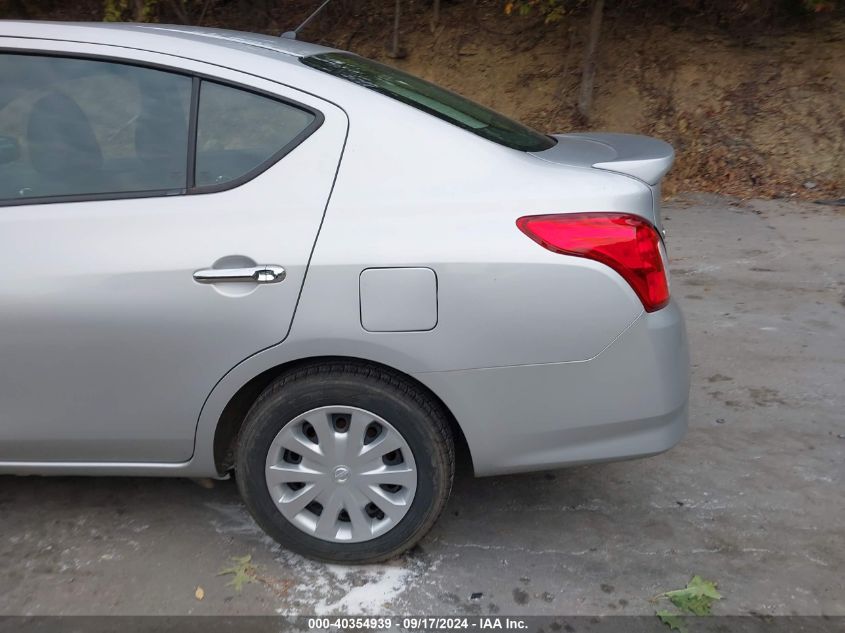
(161, 38)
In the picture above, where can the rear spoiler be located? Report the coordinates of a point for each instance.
(642, 157)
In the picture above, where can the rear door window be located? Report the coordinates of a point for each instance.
(80, 127)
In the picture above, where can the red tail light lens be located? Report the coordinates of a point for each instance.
(627, 243)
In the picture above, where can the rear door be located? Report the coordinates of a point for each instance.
(137, 273)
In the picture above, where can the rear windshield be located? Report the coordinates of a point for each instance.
(437, 101)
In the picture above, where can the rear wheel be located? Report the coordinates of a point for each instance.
(345, 462)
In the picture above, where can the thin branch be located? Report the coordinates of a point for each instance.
(205, 6)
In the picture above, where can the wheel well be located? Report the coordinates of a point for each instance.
(235, 412)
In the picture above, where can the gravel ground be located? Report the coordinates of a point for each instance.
(752, 498)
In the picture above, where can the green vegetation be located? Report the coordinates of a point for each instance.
(242, 572)
(695, 599)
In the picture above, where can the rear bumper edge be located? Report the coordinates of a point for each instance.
(629, 401)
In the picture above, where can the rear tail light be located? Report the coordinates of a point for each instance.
(627, 243)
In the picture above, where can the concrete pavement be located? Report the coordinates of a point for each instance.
(752, 498)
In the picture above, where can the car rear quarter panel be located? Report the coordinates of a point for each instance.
(413, 191)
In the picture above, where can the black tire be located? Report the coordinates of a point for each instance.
(414, 413)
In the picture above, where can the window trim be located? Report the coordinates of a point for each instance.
(190, 188)
(193, 125)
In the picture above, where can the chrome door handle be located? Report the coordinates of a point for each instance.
(270, 274)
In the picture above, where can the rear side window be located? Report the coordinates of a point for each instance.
(71, 127)
(239, 131)
(430, 98)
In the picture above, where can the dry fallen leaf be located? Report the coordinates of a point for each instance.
(199, 594)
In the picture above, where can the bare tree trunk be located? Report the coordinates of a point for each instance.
(585, 96)
(207, 4)
(14, 9)
(397, 14)
(139, 13)
(396, 51)
(178, 8)
(435, 14)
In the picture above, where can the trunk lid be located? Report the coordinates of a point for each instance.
(642, 157)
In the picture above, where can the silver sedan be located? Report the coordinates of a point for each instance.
(228, 253)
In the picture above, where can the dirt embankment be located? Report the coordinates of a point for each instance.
(761, 116)
(758, 115)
